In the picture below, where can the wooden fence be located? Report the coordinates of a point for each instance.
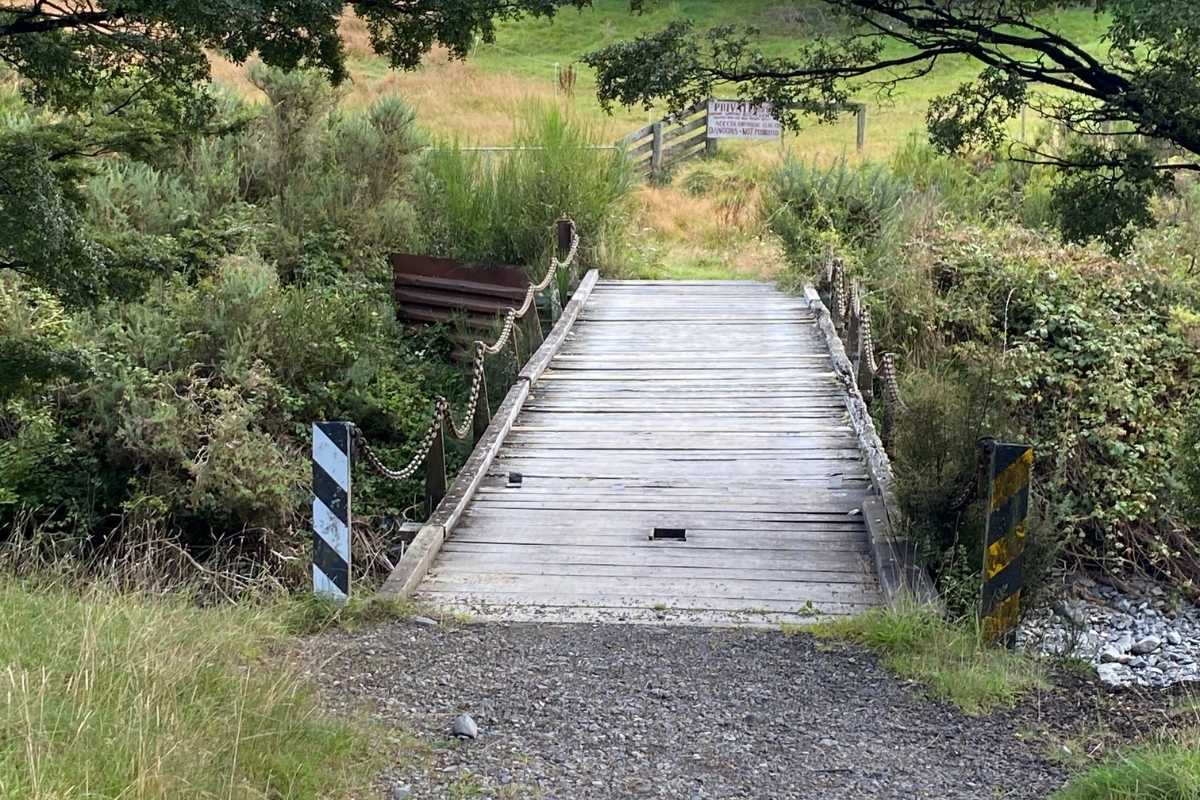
(669, 141)
(672, 140)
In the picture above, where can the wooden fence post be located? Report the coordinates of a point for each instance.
(435, 470)
(710, 144)
(656, 150)
(533, 329)
(564, 232)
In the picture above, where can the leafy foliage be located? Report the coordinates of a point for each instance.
(1005, 332)
(1140, 82)
(176, 407)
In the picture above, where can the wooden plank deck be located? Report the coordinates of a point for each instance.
(710, 406)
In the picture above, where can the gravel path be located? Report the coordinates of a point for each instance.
(615, 711)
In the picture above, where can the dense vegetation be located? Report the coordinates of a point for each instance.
(188, 279)
(162, 400)
(1003, 330)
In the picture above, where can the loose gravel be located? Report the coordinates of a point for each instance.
(1132, 639)
(569, 712)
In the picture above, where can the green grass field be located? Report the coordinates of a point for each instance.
(531, 49)
(677, 234)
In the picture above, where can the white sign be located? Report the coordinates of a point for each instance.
(733, 119)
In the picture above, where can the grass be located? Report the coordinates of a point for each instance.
(949, 659)
(1168, 770)
(680, 236)
(108, 696)
(470, 100)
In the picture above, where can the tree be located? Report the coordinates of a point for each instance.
(1121, 103)
(131, 76)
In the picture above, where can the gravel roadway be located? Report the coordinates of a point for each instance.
(569, 712)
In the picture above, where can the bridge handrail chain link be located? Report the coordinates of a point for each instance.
(849, 307)
(443, 414)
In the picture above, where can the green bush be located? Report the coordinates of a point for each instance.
(1090, 359)
(161, 398)
(817, 210)
(190, 410)
(334, 187)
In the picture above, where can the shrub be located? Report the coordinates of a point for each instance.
(335, 187)
(813, 208)
(1089, 359)
(190, 413)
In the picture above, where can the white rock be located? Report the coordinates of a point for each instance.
(1113, 674)
(1113, 656)
(1147, 645)
(464, 727)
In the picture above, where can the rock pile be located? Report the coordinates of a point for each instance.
(1147, 639)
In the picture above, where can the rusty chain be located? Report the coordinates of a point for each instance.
(846, 297)
(442, 412)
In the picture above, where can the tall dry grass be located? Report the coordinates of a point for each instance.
(105, 695)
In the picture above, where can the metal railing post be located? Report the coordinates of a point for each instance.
(331, 461)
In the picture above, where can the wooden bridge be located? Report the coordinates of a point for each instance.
(675, 450)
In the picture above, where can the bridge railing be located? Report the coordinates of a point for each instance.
(852, 321)
(846, 325)
(336, 444)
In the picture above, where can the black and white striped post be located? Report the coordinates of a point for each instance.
(331, 509)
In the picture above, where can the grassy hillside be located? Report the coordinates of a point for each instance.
(694, 234)
(474, 100)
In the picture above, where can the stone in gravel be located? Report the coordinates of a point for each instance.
(401, 791)
(1173, 637)
(464, 727)
(426, 621)
(1113, 674)
(1145, 646)
(1111, 655)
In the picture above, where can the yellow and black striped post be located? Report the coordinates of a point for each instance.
(1010, 468)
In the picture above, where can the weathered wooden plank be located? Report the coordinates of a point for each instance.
(636, 611)
(476, 570)
(709, 406)
(718, 541)
(652, 554)
(653, 585)
(821, 599)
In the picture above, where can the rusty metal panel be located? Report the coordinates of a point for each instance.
(430, 290)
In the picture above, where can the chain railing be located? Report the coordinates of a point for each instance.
(852, 321)
(430, 450)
